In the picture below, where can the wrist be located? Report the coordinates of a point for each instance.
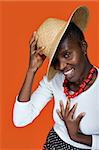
(74, 136)
(30, 73)
(32, 70)
(82, 138)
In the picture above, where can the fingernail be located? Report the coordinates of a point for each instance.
(61, 102)
(57, 110)
(83, 114)
(43, 47)
(34, 33)
(36, 36)
(68, 100)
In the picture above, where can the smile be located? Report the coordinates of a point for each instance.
(69, 73)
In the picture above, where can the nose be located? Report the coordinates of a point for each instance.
(63, 64)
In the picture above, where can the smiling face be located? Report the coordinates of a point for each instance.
(71, 60)
(71, 57)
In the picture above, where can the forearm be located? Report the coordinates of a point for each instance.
(25, 92)
(83, 139)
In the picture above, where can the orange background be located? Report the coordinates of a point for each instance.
(17, 22)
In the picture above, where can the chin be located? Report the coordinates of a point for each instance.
(73, 79)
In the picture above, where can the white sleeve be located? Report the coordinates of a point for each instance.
(95, 142)
(25, 112)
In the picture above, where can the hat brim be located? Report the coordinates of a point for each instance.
(80, 17)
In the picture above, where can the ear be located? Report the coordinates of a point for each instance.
(84, 46)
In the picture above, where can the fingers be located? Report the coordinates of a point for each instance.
(72, 111)
(33, 42)
(59, 114)
(67, 107)
(62, 108)
(39, 51)
(80, 116)
(33, 38)
(43, 57)
(33, 48)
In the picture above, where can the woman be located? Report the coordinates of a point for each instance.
(75, 80)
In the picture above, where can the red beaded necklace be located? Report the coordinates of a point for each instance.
(82, 86)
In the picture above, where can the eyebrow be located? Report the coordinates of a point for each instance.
(64, 50)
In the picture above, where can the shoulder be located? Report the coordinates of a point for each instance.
(57, 80)
(96, 83)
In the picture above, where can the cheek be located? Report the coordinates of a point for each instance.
(77, 60)
(79, 66)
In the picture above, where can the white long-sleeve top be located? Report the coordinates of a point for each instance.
(88, 102)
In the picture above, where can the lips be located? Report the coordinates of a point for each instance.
(69, 73)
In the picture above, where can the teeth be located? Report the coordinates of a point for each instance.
(68, 72)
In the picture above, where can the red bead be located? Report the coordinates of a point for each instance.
(75, 94)
(67, 93)
(82, 86)
(80, 91)
(65, 90)
(92, 70)
(87, 80)
(65, 81)
(90, 76)
(70, 96)
(64, 85)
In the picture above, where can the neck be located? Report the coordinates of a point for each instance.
(75, 85)
(85, 73)
(84, 86)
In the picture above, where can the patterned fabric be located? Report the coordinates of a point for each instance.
(54, 142)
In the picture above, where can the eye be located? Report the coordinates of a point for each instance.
(67, 54)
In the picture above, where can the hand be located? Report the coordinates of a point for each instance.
(67, 115)
(36, 55)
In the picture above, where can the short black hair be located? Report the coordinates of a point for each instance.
(73, 32)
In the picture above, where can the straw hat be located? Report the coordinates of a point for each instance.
(51, 31)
